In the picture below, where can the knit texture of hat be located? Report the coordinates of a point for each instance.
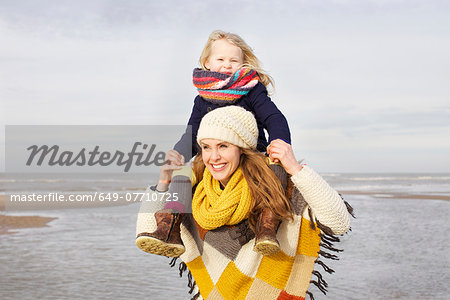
(232, 124)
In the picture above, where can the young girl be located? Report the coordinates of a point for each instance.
(230, 74)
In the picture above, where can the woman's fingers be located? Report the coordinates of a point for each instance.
(274, 148)
(174, 158)
(174, 161)
(278, 148)
(282, 151)
(169, 167)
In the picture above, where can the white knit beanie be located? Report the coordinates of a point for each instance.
(232, 124)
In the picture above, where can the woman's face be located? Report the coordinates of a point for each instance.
(221, 158)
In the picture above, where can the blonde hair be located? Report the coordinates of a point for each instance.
(250, 60)
(265, 187)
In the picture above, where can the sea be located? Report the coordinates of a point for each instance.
(397, 247)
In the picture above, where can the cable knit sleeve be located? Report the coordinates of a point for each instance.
(326, 204)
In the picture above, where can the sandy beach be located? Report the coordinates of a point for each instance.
(2, 202)
(9, 223)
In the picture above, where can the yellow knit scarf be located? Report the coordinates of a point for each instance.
(213, 207)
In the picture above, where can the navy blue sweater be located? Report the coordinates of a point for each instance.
(267, 115)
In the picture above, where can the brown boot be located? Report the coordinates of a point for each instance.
(266, 241)
(166, 239)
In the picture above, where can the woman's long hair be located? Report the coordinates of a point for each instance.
(250, 59)
(265, 187)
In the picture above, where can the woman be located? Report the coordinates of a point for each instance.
(232, 185)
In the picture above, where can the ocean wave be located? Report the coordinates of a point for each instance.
(395, 178)
(140, 188)
(376, 178)
(33, 180)
(46, 180)
(103, 180)
(383, 195)
(49, 180)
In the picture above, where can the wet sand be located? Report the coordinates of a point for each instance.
(9, 223)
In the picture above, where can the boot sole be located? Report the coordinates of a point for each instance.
(267, 247)
(155, 246)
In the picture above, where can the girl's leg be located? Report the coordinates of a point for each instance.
(266, 241)
(166, 240)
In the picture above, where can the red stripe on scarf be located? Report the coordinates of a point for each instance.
(244, 80)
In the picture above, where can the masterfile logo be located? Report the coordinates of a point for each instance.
(78, 148)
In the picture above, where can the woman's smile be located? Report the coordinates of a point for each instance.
(218, 167)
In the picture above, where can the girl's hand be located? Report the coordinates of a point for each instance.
(282, 151)
(174, 161)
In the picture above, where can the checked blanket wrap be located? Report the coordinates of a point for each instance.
(224, 266)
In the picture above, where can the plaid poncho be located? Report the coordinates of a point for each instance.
(224, 265)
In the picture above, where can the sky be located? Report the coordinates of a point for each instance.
(364, 85)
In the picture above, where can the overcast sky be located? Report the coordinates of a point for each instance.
(364, 84)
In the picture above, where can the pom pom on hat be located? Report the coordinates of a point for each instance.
(232, 124)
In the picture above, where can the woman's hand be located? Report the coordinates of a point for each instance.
(282, 151)
(174, 161)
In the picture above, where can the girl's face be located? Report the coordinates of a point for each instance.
(221, 158)
(225, 57)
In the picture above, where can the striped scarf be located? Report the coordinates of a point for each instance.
(223, 89)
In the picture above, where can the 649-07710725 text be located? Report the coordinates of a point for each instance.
(94, 197)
